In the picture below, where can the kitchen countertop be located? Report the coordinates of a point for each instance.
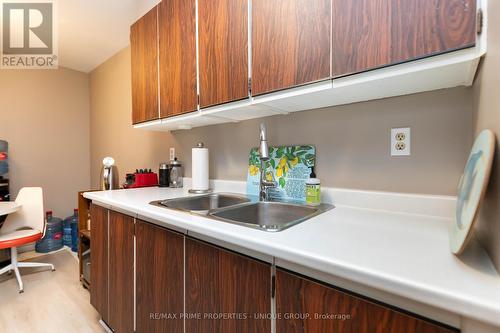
(404, 252)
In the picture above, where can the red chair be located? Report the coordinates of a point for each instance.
(25, 226)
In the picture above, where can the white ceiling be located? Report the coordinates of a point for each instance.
(91, 31)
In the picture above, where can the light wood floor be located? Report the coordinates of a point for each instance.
(51, 302)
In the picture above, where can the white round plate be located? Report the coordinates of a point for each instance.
(471, 190)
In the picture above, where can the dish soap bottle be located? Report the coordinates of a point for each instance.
(313, 190)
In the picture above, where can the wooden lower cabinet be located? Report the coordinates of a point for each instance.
(216, 289)
(99, 259)
(121, 272)
(222, 283)
(112, 268)
(160, 279)
(299, 301)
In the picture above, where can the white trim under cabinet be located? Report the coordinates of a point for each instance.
(453, 69)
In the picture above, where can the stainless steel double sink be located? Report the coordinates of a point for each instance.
(246, 210)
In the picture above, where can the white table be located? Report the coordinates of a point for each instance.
(8, 207)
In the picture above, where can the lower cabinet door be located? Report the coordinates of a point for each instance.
(225, 291)
(306, 306)
(160, 279)
(121, 273)
(99, 261)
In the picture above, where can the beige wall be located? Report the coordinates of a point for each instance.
(487, 115)
(111, 122)
(44, 115)
(352, 141)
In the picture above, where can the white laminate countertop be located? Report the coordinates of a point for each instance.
(404, 252)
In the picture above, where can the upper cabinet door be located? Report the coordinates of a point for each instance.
(361, 35)
(144, 54)
(368, 34)
(177, 42)
(223, 50)
(426, 27)
(290, 43)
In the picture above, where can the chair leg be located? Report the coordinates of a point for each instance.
(7, 269)
(19, 280)
(14, 266)
(14, 263)
(35, 264)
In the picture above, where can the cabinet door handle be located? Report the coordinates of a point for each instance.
(273, 286)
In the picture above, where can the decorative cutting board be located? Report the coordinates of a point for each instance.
(288, 166)
(472, 189)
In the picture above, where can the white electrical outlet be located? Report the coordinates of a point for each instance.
(172, 153)
(400, 141)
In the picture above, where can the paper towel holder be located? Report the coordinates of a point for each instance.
(191, 191)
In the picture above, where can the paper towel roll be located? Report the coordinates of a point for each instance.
(200, 168)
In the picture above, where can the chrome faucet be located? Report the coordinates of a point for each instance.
(264, 157)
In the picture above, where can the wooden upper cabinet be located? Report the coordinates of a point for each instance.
(222, 282)
(160, 278)
(177, 43)
(223, 51)
(361, 35)
(368, 34)
(99, 257)
(425, 27)
(296, 295)
(144, 56)
(290, 43)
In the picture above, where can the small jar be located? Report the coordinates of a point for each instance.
(175, 174)
(313, 191)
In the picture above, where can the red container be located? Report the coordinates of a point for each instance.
(141, 180)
